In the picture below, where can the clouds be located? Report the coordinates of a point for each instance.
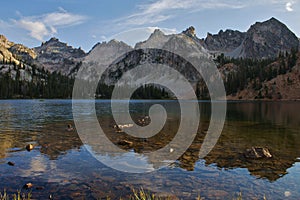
(46, 25)
(37, 30)
(162, 10)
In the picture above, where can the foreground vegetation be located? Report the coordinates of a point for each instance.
(140, 194)
(17, 196)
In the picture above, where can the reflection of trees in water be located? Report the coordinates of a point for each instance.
(270, 112)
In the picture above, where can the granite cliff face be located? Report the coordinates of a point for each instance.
(57, 56)
(101, 56)
(15, 53)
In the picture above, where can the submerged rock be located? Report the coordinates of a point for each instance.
(258, 152)
(143, 121)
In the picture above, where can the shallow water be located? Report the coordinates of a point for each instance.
(62, 166)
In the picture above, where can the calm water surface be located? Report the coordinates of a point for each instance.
(60, 165)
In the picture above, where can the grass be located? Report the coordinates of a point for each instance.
(17, 196)
(140, 194)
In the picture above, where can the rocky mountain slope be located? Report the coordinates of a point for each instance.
(284, 86)
(267, 40)
(152, 57)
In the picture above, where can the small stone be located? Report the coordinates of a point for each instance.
(28, 186)
(69, 128)
(287, 193)
(11, 163)
(29, 147)
(39, 188)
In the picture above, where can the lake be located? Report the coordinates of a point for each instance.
(62, 166)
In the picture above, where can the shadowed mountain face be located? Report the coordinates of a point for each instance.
(224, 41)
(57, 56)
(262, 40)
(267, 40)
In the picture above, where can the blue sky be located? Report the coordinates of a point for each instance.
(84, 23)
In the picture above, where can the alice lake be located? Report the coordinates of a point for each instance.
(61, 166)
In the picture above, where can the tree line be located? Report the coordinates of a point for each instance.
(250, 72)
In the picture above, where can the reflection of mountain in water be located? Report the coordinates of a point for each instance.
(242, 131)
(58, 141)
(265, 124)
(271, 125)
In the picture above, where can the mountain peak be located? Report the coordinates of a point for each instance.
(270, 22)
(54, 39)
(155, 40)
(190, 32)
(273, 19)
(5, 42)
(157, 33)
(2, 38)
(114, 42)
